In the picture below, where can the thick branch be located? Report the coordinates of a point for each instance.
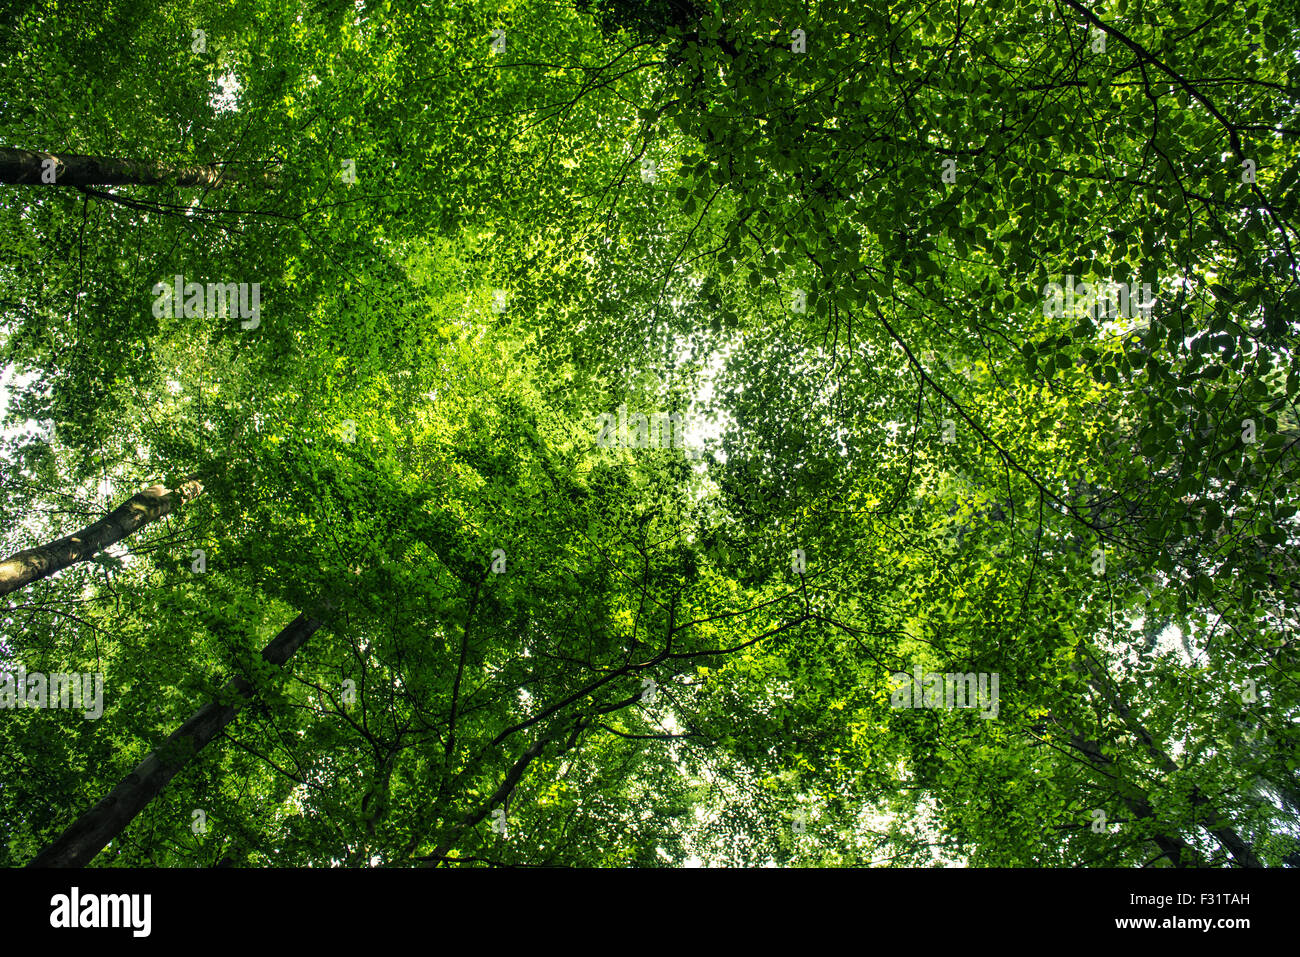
(148, 506)
(29, 168)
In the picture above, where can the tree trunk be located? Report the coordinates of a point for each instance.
(28, 167)
(473, 818)
(1241, 852)
(90, 833)
(1170, 843)
(33, 564)
(1100, 681)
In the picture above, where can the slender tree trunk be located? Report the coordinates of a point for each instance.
(1231, 841)
(1171, 844)
(474, 817)
(502, 793)
(31, 168)
(90, 833)
(153, 503)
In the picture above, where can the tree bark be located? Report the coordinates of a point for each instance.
(1171, 844)
(27, 167)
(33, 564)
(90, 833)
(1232, 842)
(473, 818)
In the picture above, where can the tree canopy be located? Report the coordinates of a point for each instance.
(643, 416)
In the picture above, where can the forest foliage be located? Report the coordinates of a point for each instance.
(507, 253)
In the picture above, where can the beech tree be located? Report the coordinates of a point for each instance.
(88, 835)
(980, 324)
